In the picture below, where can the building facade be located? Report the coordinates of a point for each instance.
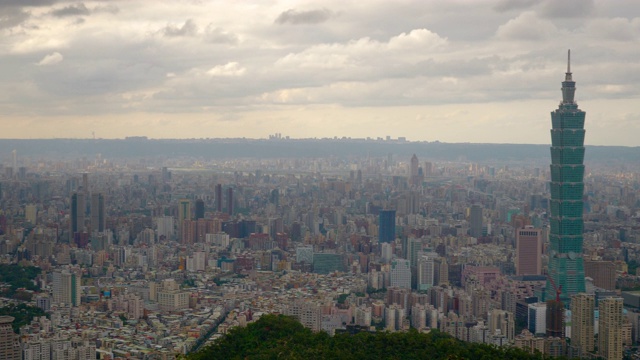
(566, 266)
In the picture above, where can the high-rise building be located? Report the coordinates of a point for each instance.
(199, 209)
(610, 328)
(414, 176)
(66, 288)
(98, 218)
(426, 270)
(566, 266)
(230, 201)
(184, 212)
(502, 323)
(9, 344)
(219, 198)
(475, 221)
(387, 226)
(528, 251)
(582, 322)
(400, 273)
(77, 213)
(603, 273)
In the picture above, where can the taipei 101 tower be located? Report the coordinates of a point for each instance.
(566, 267)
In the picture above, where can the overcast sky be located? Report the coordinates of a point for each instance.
(453, 71)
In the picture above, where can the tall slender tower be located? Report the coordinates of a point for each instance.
(566, 267)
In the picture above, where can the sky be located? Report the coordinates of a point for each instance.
(479, 71)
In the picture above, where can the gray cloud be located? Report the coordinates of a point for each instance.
(567, 8)
(508, 5)
(24, 3)
(296, 17)
(72, 10)
(189, 28)
(10, 17)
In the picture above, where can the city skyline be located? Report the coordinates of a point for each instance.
(189, 70)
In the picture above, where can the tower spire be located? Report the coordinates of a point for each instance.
(567, 76)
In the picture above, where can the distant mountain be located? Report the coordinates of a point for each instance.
(307, 148)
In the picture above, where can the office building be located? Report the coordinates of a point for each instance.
(566, 266)
(9, 344)
(603, 273)
(77, 213)
(326, 263)
(537, 318)
(184, 212)
(582, 323)
(475, 221)
(400, 273)
(199, 209)
(218, 198)
(98, 217)
(610, 328)
(387, 226)
(528, 251)
(426, 270)
(66, 288)
(230, 201)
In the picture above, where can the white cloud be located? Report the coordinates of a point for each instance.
(528, 27)
(228, 69)
(51, 59)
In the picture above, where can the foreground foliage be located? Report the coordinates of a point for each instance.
(282, 337)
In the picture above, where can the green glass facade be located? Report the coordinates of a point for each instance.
(567, 187)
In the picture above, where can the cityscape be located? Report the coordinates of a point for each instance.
(152, 257)
(158, 247)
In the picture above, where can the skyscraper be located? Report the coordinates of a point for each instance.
(77, 213)
(184, 213)
(582, 322)
(475, 221)
(98, 219)
(567, 172)
(199, 209)
(219, 198)
(230, 201)
(610, 329)
(387, 226)
(528, 251)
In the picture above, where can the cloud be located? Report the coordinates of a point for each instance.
(51, 59)
(10, 17)
(508, 5)
(567, 8)
(72, 10)
(296, 17)
(228, 69)
(189, 28)
(217, 35)
(24, 3)
(528, 27)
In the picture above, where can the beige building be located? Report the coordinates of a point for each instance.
(582, 322)
(171, 298)
(529, 343)
(610, 329)
(9, 344)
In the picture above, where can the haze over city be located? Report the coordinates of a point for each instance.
(455, 71)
